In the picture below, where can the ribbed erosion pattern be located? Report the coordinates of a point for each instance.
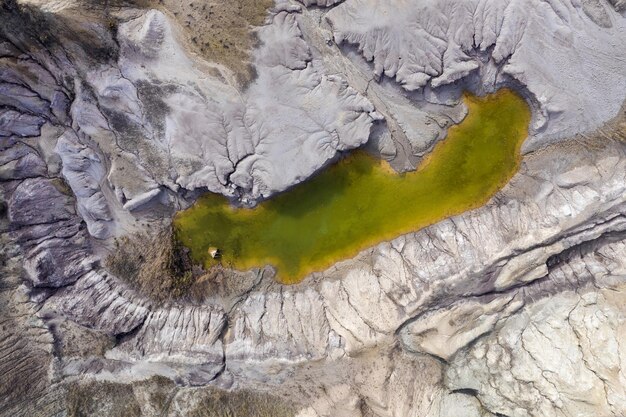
(360, 201)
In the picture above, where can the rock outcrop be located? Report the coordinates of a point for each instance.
(108, 125)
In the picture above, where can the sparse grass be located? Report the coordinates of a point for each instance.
(153, 263)
(75, 340)
(156, 396)
(219, 30)
(104, 399)
(218, 403)
(62, 186)
(620, 128)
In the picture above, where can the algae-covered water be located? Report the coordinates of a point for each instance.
(360, 201)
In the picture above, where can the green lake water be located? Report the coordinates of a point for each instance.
(359, 201)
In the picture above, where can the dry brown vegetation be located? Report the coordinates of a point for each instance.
(104, 399)
(155, 264)
(159, 396)
(620, 122)
(216, 403)
(219, 30)
(158, 266)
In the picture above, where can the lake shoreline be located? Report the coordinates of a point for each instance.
(333, 215)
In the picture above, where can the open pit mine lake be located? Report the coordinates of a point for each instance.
(360, 201)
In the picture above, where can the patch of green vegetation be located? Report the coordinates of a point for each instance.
(360, 201)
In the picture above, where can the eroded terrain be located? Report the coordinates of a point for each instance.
(361, 201)
(111, 122)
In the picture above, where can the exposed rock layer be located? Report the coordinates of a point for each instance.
(514, 309)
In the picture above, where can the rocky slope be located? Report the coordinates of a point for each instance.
(108, 124)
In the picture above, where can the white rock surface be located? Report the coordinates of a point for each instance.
(547, 361)
(570, 65)
(362, 328)
(513, 309)
(84, 171)
(218, 138)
